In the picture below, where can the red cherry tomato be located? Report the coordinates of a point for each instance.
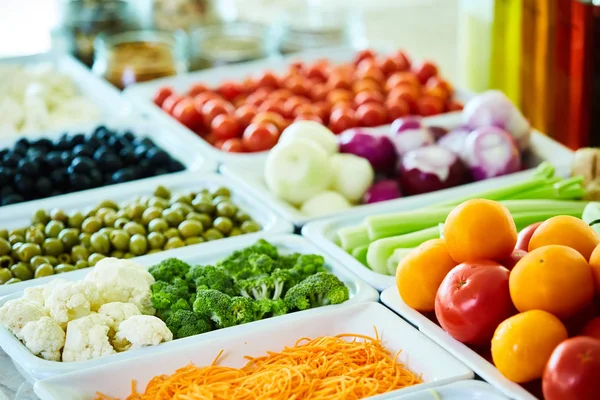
(299, 85)
(525, 236)
(436, 92)
(409, 94)
(249, 85)
(258, 97)
(339, 81)
(390, 64)
(260, 137)
(454, 105)
(365, 65)
(233, 146)
(276, 106)
(197, 88)
(292, 103)
(513, 259)
(280, 94)
(219, 143)
(397, 108)
(211, 139)
(342, 119)
(268, 79)
(573, 371)
(245, 113)
(339, 95)
(161, 94)
(296, 67)
(305, 109)
(203, 98)
(318, 72)
(438, 82)
(365, 97)
(225, 126)
(186, 114)
(371, 114)
(426, 70)
(215, 107)
(403, 60)
(365, 85)
(364, 54)
(592, 328)
(170, 102)
(322, 109)
(319, 92)
(472, 300)
(373, 73)
(230, 90)
(239, 101)
(400, 79)
(271, 118)
(309, 117)
(429, 105)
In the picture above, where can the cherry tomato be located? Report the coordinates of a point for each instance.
(305, 109)
(270, 117)
(203, 98)
(308, 117)
(525, 236)
(429, 105)
(365, 85)
(318, 72)
(245, 113)
(280, 94)
(322, 109)
(454, 105)
(436, 92)
(170, 102)
(211, 139)
(233, 145)
(161, 94)
(258, 97)
(364, 54)
(397, 108)
(401, 78)
(290, 105)
(225, 126)
(409, 94)
(268, 79)
(249, 85)
(342, 119)
(373, 73)
(276, 106)
(390, 64)
(230, 90)
(371, 114)
(365, 97)
(592, 328)
(426, 70)
(186, 114)
(299, 85)
(512, 260)
(437, 82)
(219, 143)
(319, 92)
(573, 371)
(339, 81)
(197, 88)
(260, 137)
(366, 64)
(296, 67)
(339, 95)
(215, 107)
(239, 101)
(403, 60)
(472, 300)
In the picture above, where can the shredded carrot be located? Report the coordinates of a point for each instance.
(347, 366)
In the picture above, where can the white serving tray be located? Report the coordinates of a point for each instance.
(461, 390)
(105, 96)
(418, 353)
(323, 232)
(34, 368)
(19, 215)
(486, 370)
(141, 94)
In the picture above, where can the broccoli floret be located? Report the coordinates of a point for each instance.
(211, 277)
(166, 295)
(216, 306)
(283, 279)
(238, 264)
(169, 269)
(308, 265)
(243, 309)
(287, 261)
(184, 323)
(266, 308)
(261, 264)
(317, 290)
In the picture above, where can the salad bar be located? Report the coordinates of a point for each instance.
(130, 269)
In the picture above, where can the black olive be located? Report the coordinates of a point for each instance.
(140, 151)
(80, 181)
(24, 184)
(11, 159)
(43, 186)
(175, 166)
(78, 139)
(144, 142)
(54, 160)
(81, 165)
(6, 176)
(95, 177)
(160, 171)
(146, 168)
(115, 143)
(3, 152)
(56, 192)
(12, 199)
(29, 167)
(122, 175)
(157, 156)
(23, 143)
(33, 152)
(129, 136)
(83, 150)
(128, 155)
(43, 143)
(94, 142)
(62, 144)
(6, 191)
(110, 162)
(100, 132)
(67, 157)
(59, 177)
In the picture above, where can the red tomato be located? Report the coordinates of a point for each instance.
(339, 81)
(239, 101)
(340, 95)
(215, 107)
(363, 85)
(373, 73)
(371, 114)
(319, 92)
(271, 118)
(225, 126)
(437, 82)
(389, 65)
(233, 146)
(305, 109)
(230, 90)
(161, 94)
(296, 67)
(472, 300)
(219, 143)
(308, 117)
(525, 236)
(292, 103)
(592, 328)
(454, 105)
(429, 105)
(258, 97)
(211, 139)
(363, 55)
(342, 119)
(170, 102)
(513, 259)
(249, 85)
(426, 70)
(203, 98)
(397, 109)
(186, 114)
(322, 109)
(409, 94)
(400, 79)
(280, 94)
(573, 371)
(275, 106)
(402, 59)
(197, 88)
(245, 113)
(260, 137)
(298, 85)
(365, 97)
(268, 79)
(317, 72)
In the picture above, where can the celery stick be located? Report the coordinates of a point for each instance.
(394, 224)
(360, 253)
(381, 250)
(571, 188)
(353, 236)
(523, 220)
(395, 259)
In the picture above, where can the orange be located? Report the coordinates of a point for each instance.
(522, 344)
(556, 279)
(421, 272)
(480, 229)
(595, 264)
(568, 231)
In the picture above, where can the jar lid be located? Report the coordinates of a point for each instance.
(107, 10)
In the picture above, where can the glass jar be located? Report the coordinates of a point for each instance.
(230, 43)
(127, 58)
(171, 15)
(80, 21)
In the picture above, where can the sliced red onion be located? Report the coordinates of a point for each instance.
(438, 132)
(455, 140)
(376, 148)
(490, 152)
(381, 191)
(411, 139)
(402, 124)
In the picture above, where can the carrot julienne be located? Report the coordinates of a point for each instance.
(346, 367)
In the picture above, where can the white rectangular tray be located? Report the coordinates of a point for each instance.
(480, 366)
(418, 353)
(34, 368)
(461, 390)
(19, 215)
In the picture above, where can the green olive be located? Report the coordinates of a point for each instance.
(38, 260)
(144, 200)
(220, 199)
(4, 234)
(171, 233)
(212, 234)
(75, 220)
(119, 239)
(79, 253)
(158, 225)
(6, 261)
(13, 280)
(103, 211)
(135, 210)
(226, 209)
(158, 202)
(203, 205)
(151, 213)
(21, 271)
(207, 221)
(156, 240)
(53, 228)
(15, 250)
(16, 239)
(84, 239)
(40, 216)
(172, 216)
(152, 251)
(108, 204)
(110, 218)
(34, 236)
(91, 225)
(100, 243)
(174, 243)
(128, 255)
(194, 240)
(183, 207)
(18, 231)
(64, 258)
(43, 270)
(250, 226)
(162, 192)
(5, 247)
(90, 211)
(235, 231)
(138, 244)
(5, 275)
(122, 213)
(57, 214)
(190, 228)
(62, 268)
(29, 250)
(69, 238)
(117, 254)
(221, 191)
(242, 216)
(81, 264)
(181, 198)
(94, 258)
(223, 224)
(52, 260)
(106, 230)
(133, 228)
(120, 223)
(52, 247)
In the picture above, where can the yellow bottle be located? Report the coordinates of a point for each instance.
(512, 53)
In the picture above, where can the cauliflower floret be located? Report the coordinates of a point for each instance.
(87, 338)
(72, 300)
(123, 281)
(44, 337)
(15, 314)
(141, 330)
(118, 312)
(40, 294)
